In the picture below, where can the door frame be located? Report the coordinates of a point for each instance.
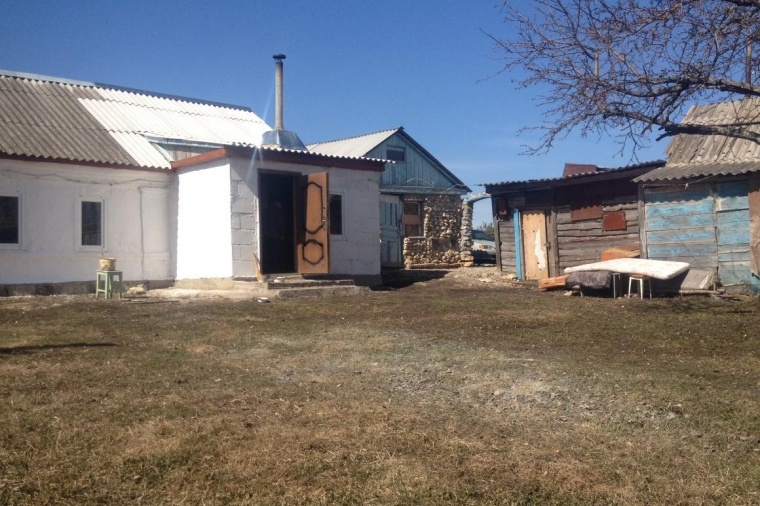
(305, 245)
(275, 257)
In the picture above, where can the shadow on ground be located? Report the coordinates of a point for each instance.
(402, 278)
(21, 350)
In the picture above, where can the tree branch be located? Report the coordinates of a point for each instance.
(628, 66)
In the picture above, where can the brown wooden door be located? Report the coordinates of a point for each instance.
(534, 245)
(314, 236)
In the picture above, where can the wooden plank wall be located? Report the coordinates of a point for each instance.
(582, 242)
(680, 225)
(706, 225)
(507, 247)
(732, 219)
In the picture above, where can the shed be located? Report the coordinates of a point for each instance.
(703, 206)
(546, 225)
(420, 199)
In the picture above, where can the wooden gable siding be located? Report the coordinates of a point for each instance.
(582, 242)
(416, 171)
(706, 225)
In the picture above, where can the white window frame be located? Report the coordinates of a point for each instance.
(103, 235)
(16, 245)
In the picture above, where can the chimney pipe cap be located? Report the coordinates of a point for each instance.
(279, 56)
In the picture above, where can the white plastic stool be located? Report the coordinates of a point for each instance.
(641, 280)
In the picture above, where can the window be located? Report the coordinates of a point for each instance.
(395, 154)
(412, 219)
(9, 220)
(92, 223)
(336, 214)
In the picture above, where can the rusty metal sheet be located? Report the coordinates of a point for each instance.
(586, 212)
(614, 220)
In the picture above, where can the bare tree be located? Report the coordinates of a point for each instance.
(627, 67)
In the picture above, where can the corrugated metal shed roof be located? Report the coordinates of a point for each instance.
(353, 146)
(600, 173)
(691, 156)
(53, 118)
(675, 172)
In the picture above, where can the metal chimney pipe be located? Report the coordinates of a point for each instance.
(279, 137)
(278, 90)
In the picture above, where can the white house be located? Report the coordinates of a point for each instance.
(173, 188)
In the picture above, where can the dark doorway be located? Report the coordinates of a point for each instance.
(278, 230)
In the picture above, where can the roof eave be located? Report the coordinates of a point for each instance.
(631, 172)
(283, 156)
(86, 163)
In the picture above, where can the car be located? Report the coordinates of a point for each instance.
(483, 248)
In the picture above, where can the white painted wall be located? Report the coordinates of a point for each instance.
(138, 226)
(202, 223)
(204, 232)
(357, 252)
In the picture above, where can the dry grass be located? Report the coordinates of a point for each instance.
(451, 391)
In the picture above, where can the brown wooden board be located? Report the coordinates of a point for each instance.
(612, 253)
(534, 245)
(314, 237)
(555, 282)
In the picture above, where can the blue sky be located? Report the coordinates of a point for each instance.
(352, 67)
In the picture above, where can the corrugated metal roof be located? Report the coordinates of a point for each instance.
(362, 144)
(705, 149)
(691, 156)
(322, 155)
(601, 172)
(53, 118)
(353, 146)
(675, 172)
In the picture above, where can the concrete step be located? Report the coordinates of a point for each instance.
(286, 283)
(292, 286)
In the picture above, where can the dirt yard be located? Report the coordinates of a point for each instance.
(461, 389)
